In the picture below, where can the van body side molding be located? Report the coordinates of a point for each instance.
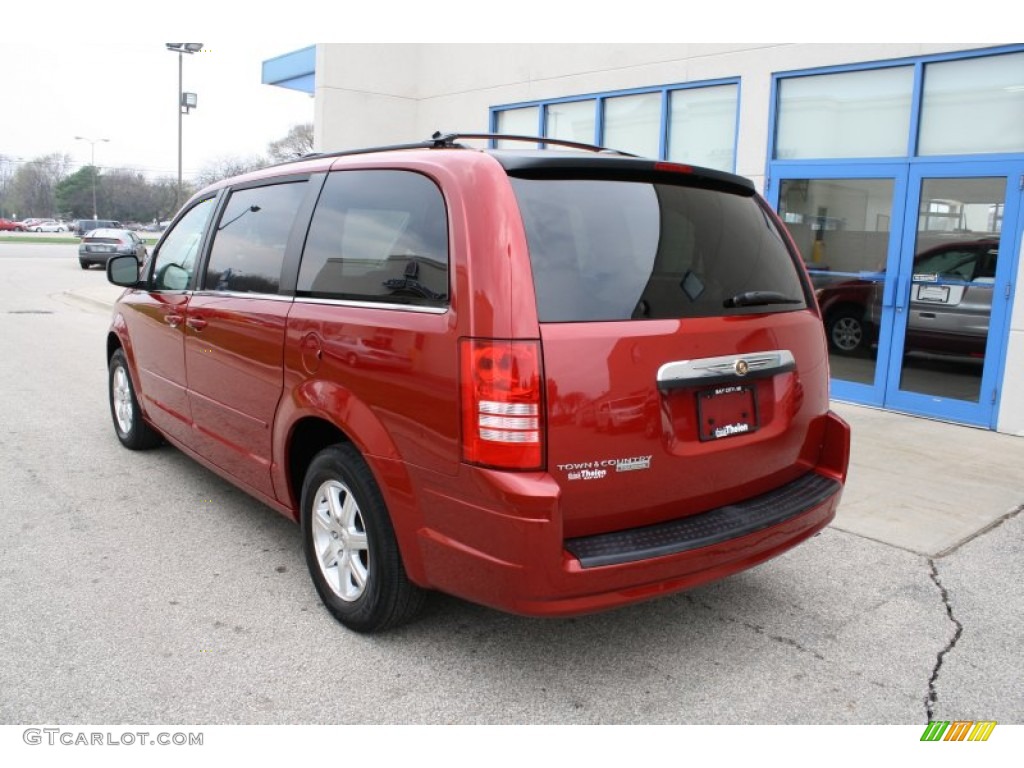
(726, 369)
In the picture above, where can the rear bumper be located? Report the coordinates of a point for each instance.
(505, 548)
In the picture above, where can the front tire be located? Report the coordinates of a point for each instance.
(847, 333)
(350, 544)
(131, 430)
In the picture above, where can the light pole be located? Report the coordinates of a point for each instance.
(92, 164)
(185, 101)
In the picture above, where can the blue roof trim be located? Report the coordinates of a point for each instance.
(295, 70)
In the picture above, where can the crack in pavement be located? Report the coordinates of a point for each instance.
(757, 628)
(933, 695)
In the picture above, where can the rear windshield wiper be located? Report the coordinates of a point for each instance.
(759, 298)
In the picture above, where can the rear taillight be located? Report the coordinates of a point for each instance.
(502, 412)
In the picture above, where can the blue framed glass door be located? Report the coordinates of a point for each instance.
(952, 288)
(846, 221)
(912, 264)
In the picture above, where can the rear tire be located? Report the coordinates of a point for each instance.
(83, 264)
(350, 544)
(131, 430)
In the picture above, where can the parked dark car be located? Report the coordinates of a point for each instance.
(404, 350)
(950, 303)
(83, 226)
(100, 245)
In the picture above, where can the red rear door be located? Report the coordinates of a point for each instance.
(685, 363)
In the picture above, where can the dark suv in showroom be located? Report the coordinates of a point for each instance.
(550, 382)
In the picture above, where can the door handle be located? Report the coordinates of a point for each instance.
(196, 323)
(888, 293)
(902, 298)
(173, 320)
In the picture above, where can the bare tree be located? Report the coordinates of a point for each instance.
(6, 177)
(297, 143)
(33, 188)
(226, 166)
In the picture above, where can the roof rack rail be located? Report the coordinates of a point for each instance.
(364, 151)
(450, 141)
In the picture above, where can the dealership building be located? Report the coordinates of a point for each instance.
(898, 169)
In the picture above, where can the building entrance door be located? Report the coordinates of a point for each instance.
(959, 250)
(912, 266)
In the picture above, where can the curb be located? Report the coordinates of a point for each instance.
(84, 301)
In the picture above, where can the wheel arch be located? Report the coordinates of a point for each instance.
(311, 433)
(117, 338)
(841, 306)
(113, 344)
(307, 437)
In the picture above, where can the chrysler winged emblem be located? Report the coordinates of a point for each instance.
(742, 368)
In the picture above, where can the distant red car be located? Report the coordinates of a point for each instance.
(6, 225)
(551, 382)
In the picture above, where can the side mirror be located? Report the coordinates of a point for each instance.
(171, 277)
(123, 271)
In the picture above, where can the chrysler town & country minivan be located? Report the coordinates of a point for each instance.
(547, 381)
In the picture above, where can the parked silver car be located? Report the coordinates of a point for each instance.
(50, 226)
(100, 245)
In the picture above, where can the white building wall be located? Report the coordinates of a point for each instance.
(1011, 403)
(376, 94)
(371, 94)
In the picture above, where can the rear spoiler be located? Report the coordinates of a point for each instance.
(563, 165)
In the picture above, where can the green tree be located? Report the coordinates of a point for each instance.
(74, 194)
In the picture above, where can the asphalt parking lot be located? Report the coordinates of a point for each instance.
(141, 588)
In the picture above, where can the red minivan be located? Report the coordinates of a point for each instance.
(547, 381)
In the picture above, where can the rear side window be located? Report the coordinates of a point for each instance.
(250, 239)
(621, 250)
(379, 236)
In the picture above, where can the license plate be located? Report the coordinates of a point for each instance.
(726, 411)
(100, 248)
(937, 293)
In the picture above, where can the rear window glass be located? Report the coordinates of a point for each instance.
(620, 250)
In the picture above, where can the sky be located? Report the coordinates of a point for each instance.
(115, 80)
(126, 92)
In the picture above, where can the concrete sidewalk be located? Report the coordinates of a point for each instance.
(920, 485)
(927, 486)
